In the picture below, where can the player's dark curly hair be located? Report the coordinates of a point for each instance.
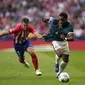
(26, 20)
(63, 14)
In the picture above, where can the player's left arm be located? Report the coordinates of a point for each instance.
(9, 31)
(4, 33)
(34, 32)
(38, 35)
(70, 33)
(70, 36)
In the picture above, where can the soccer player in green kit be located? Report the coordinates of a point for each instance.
(60, 32)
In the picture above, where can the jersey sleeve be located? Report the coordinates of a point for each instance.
(53, 25)
(31, 29)
(50, 35)
(50, 20)
(69, 30)
(14, 30)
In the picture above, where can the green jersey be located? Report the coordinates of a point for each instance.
(55, 32)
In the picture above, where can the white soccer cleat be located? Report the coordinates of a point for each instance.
(57, 75)
(26, 64)
(38, 73)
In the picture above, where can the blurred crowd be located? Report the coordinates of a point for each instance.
(11, 11)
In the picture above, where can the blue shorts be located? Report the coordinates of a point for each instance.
(21, 48)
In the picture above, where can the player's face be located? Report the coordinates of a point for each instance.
(24, 25)
(62, 20)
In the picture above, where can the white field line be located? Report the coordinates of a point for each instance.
(37, 48)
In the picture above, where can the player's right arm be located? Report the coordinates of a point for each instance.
(4, 33)
(52, 25)
(47, 20)
(10, 31)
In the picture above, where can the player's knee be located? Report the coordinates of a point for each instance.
(59, 52)
(66, 58)
(32, 53)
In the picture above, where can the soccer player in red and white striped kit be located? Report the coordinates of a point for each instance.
(22, 43)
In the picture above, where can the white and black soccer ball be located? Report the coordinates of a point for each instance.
(64, 77)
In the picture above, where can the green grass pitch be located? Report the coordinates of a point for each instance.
(14, 73)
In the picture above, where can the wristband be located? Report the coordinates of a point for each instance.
(65, 38)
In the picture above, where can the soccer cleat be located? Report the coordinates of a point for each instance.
(57, 75)
(26, 64)
(38, 73)
(56, 67)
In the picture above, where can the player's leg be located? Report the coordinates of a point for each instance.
(24, 62)
(19, 49)
(58, 50)
(65, 59)
(63, 64)
(30, 50)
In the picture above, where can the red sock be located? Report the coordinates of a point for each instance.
(35, 61)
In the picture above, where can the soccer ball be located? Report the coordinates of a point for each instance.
(64, 77)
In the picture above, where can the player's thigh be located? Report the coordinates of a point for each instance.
(30, 50)
(65, 52)
(65, 48)
(19, 49)
(28, 47)
(57, 48)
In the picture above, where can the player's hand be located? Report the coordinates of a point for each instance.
(62, 36)
(45, 20)
(40, 36)
(43, 35)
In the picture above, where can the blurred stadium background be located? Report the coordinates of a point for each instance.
(11, 11)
